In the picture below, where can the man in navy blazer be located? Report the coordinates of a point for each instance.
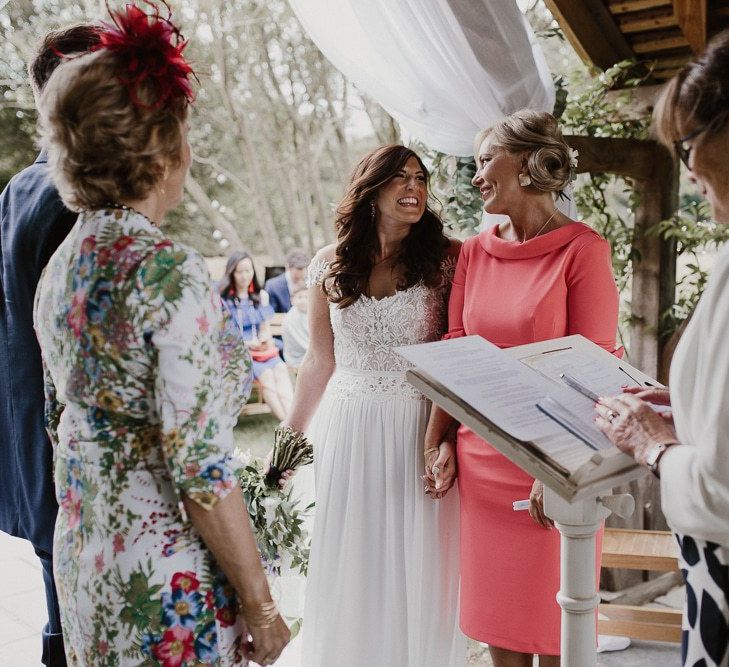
(33, 223)
(281, 287)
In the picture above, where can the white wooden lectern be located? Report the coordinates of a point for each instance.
(578, 523)
(578, 500)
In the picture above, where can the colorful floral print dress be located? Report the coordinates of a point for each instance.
(143, 389)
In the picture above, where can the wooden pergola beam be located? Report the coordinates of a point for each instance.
(592, 31)
(632, 158)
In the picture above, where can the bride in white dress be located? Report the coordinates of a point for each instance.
(382, 587)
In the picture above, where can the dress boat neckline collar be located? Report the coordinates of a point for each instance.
(493, 244)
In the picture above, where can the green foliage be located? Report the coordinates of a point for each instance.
(695, 234)
(459, 202)
(606, 201)
(592, 112)
(276, 517)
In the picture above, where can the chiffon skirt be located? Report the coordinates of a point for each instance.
(382, 587)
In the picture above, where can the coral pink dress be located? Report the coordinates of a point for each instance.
(514, 293)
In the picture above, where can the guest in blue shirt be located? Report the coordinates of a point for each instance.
(33, 223)
(250, 310)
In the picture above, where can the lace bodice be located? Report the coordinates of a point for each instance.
(366, 333)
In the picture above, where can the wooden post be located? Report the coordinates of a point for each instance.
(654, 263)
(655, 177)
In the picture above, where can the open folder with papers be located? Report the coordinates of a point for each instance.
(534, 403)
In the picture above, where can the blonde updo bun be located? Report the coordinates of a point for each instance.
(538, 133)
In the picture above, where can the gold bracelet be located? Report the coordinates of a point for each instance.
(264, 616)
(431, 449)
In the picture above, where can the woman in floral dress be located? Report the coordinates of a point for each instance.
(154, 555)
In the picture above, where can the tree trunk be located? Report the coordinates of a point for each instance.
(245, 141)
(215, 217)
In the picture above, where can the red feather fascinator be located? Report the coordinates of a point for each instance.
(149, 47)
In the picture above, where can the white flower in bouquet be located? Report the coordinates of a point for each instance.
(242, 456)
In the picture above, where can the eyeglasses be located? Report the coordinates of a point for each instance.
(683, 148)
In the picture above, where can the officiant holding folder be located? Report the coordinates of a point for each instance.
(536, 277)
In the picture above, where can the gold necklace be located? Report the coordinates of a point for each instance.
(542, 228)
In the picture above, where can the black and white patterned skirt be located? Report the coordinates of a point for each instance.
(705, 568)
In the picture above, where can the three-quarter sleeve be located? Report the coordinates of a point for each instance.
(695, 475)
(592, 295)
(184, 331)
(457, 298)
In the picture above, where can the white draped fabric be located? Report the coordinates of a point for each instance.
(444, 69)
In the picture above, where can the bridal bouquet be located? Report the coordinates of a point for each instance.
(277, 518)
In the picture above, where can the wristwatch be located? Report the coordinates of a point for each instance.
(655, 453)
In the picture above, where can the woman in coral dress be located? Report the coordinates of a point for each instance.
(536, 277)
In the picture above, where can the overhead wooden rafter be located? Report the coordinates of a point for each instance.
(691, 16)
(664, 34)
(591, 30)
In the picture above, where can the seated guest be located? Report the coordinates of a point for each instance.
(250, 312)
(281, 288)
(154, 557)
(296, 328)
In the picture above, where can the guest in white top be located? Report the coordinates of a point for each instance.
(296, 328)
(690, 451)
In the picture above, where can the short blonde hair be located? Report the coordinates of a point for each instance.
(103, 148)
(538, 133)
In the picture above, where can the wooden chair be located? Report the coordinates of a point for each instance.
(275, 324)
(255, 405)
(654, 550)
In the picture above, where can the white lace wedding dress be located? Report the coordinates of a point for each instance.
(382, 587)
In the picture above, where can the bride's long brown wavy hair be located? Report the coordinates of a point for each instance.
(422, 250)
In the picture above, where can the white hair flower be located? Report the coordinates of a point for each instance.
(574, 154)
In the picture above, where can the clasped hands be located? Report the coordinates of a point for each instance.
(440, 469)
